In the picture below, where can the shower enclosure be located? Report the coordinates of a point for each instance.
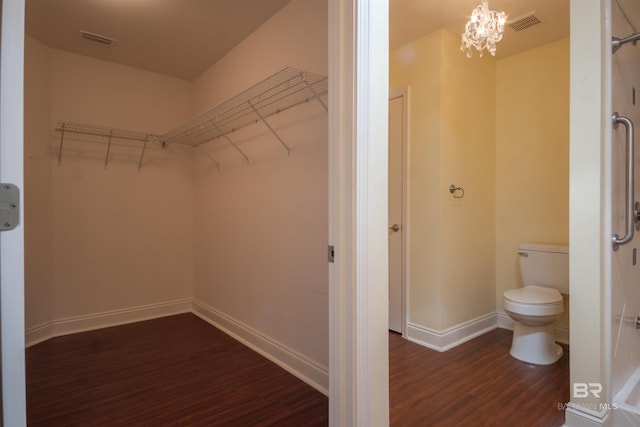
(625, 269)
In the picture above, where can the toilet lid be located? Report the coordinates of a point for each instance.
(533, 295)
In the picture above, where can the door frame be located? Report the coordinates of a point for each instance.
(405, 94)
(12, 241)
(358, 217)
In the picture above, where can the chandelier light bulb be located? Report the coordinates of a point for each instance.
(484, 29)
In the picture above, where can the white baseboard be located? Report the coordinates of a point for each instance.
(583, 416)
(451, 337)
(306, 370)
(561, 335)
(72, 325)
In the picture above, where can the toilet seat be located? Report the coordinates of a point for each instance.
(533, 301)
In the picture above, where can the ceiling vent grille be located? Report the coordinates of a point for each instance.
(107, 41)
(524, 22)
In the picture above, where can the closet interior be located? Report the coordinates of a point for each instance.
(149, 195)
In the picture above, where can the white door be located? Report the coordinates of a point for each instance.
(396, 129)
(12, 241)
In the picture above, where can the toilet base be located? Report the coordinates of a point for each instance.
(535, 344)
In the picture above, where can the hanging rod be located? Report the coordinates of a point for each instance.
(281, 91)
(108, 133)
(617, 42)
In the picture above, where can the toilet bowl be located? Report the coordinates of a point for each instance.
(535, 307)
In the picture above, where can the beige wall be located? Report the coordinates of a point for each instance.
(467, 160)
(418, 66)
(38, 196)
(107, 239)
(262, 228)
(451, 141)
(532, 157)
(122, 238)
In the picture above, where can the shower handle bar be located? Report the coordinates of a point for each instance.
(629, 208)
(616, 42)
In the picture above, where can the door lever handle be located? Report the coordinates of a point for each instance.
(395, 228)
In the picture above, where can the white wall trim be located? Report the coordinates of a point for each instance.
(307, 370)
(451, 337)
(583, 416)
(72, 325)
(458, 334)
(561, 335)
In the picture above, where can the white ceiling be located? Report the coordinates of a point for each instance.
(182, 38)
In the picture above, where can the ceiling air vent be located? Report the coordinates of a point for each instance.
(525, 21)
(107, 41)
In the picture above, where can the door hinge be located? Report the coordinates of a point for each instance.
(331, 253)
(9, 206)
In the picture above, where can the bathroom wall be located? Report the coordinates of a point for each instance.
(451, 141)
(532, 158)
(499, 129)
(112, 239)
(261, 241)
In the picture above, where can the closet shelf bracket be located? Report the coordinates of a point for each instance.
(106, 157)
(266, 123)
(229, 140)
(144, 148)
(316, 95)
(61, 129)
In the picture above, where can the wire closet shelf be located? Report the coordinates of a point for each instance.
(281, 91)
(108, 133)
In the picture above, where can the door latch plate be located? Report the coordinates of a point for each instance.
(9, 206)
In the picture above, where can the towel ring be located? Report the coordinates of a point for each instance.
(457, 192)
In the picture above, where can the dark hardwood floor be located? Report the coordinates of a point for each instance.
(180, 371)
(475, 384)
(173, 371)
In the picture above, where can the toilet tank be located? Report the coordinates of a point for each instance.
(545, 265)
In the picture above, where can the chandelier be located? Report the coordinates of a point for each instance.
(483, 31)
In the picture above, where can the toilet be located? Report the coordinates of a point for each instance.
(536, 306)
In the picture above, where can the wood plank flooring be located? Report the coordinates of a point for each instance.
(475, 384)
(174, 371)
(181, 371)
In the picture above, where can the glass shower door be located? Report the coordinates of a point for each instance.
(625, 265)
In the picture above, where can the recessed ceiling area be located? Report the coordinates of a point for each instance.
(182, 38)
